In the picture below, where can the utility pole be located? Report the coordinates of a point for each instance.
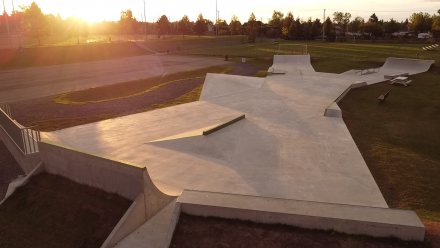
(145, 18)
(323, 33)
(216, 17)
(218, 23)
(16, 27)
(7, 23)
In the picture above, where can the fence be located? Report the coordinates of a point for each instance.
(25, 138)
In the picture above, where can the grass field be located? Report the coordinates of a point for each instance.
(399, 140)
(346, 51)
(50, 211)
(13, 59)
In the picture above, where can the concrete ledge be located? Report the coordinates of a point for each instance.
(350, 219)
(270, 71)
(132, 219)
(358, 84)
(333, 111)
(221, 126)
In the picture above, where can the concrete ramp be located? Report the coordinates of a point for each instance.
(217, 85)
(292, 63)
(411, 66)
(217, 145)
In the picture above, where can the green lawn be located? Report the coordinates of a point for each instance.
(400, 140)
(347, 51)
(51, 211)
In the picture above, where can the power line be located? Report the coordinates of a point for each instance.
(375, 11)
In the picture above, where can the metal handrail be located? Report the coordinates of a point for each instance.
(30, 136)
(6, 108)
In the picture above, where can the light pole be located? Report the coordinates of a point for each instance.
(145, 19)
(7, 23)
(16, 27)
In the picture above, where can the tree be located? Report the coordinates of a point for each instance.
(235, 25)
(391, 26)
(252, 28)
(355, 25)
(420, 22)
(127, 22)
(373, 18)
(76, 28)
(184, 25)
(277, 19)
(34, 23)
(342, 19)
(436, 25)
(163, 26)
(201, 25)
(327, 26)
(288, 20)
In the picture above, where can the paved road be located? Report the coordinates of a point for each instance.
(29, 83)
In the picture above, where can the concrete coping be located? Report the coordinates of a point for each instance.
(223, 125)
(352, 219)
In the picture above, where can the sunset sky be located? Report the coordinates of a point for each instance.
(98, 10)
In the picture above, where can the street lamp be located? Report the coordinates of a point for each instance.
(145, 19)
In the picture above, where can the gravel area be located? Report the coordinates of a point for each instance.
(9, 169)
(25, 112)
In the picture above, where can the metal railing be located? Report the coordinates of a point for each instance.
(31, 136)
(25, 138)
(5, 107)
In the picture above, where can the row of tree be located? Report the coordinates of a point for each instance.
(30, 21)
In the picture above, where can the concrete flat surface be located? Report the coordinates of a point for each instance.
(284, 148)
(29, 83)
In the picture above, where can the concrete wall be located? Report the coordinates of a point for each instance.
(128, 180)
(26, 162)
(110, 175)
(132, 219)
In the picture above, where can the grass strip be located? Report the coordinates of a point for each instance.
(191, 96)
(51, 211)
(261, 74)
(133, 88)
(61, 123)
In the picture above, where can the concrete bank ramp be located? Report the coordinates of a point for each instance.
(292, 63)
(217, 85)
(411, 66)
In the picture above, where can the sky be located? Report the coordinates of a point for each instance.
(99, 10)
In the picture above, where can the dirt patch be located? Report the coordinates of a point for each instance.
(50, 211)
(9, 169)
(194, 231)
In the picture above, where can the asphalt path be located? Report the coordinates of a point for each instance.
(35, 82)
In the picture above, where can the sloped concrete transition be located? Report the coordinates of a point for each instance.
(289, 160)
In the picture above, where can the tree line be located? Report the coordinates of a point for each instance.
(31, 22)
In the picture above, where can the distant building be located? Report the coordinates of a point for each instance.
(424, 36)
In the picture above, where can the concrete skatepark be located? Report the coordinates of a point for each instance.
(288, 161)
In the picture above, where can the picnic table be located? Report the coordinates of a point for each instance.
(401, 80)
